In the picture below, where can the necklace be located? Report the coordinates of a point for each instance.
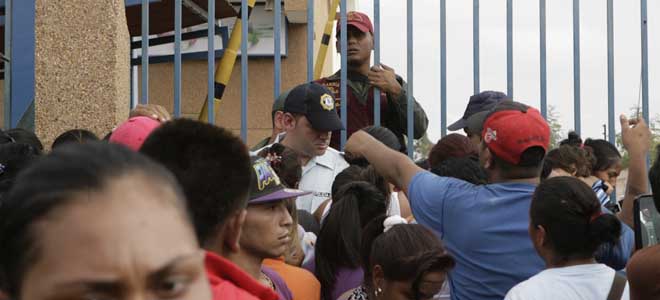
(268, 281)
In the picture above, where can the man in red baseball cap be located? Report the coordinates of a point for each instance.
(484, 227)
(363, 78)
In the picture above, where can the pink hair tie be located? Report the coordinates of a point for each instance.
(595, 216)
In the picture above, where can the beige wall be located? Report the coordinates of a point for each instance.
(260, 82)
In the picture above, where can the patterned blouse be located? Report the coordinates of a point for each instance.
(360, 293)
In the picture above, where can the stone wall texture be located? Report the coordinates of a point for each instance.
(81, 66)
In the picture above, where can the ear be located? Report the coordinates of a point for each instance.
(486, 157)
(288, 121)
(233, 230)
(278, 120)
(377, 277)
(538, 235)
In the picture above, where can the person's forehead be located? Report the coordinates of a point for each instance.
(120, 229)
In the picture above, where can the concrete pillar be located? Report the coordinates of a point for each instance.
(81, 65)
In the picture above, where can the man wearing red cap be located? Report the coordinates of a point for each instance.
(362, 78)
(484, 227)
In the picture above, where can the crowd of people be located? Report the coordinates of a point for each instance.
(164, 208)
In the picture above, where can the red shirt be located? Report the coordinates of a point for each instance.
(228, 282)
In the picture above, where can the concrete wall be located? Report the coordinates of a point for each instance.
(81, 66)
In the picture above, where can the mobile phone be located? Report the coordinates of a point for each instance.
(647, 222)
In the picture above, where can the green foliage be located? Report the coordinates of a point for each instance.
(555, 126)
(654, 125)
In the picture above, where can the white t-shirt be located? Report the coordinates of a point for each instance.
(581, 282)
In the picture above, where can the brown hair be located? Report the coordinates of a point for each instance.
(452, 145)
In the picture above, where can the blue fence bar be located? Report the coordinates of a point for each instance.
(509, 48)
(211, 61)
(277, 64)
(244, 67)
(542, 60)
(310, 40)
(576, 67)
(610, 80)
(475, 46)
(177, 58)
(443, 68)
(7, 66)
(344, 70)
(645, 61)
(410, 133)
(144, 97)
(376, 59)
(610, 71)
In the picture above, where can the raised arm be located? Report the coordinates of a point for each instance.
(636, 138)
(397, 168)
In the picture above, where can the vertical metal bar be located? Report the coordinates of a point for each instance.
(443, 68)
(610, 71)
(177, 58)
(144, 97)
(610, 79)
(475, 46)
(7, 65)
(277, 65)
(576, 66)
(310, 40)
(344, 70)
(244, 68)
(542, 59)
(645, 61)
(377, 59)
(410, 118)
(509, 48)
(210, 22)
(645, 66)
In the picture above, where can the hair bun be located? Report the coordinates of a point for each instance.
(393, 220)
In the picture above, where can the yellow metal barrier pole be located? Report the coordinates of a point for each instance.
(226, 66)
(323, 50)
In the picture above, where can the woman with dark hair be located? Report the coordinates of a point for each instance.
(400, 261)
(567, 226)
(79, 136)
(604, 158)
(452, 145)
(97, 221)
(22, 136)
(14, 157)
(337, 264)
(567, 160)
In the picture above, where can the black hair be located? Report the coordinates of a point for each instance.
(285, 163)
(605, 154)
(20, 135)
(531, 162)
(654, 177)
(338, 243)
(79, 136)
(571, 215)
(351, 174)
(383, 135)
(212, 166)
(464, 168)
(573, 139)
(49, 184)
(5, 138)
(14, 157)
(405, 252)
(568, 158)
